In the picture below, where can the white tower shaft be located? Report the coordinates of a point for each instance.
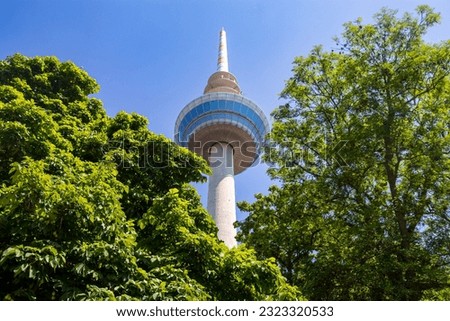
(221, 193)
(222, 62)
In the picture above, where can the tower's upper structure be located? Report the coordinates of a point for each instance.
(222, 114)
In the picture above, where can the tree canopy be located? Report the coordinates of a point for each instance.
(361, 151)
(94, 207)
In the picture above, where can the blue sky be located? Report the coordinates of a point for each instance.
(155, 56)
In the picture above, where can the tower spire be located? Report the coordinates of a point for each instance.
(222, 62)
(222, 80)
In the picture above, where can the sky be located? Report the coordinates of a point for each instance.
(154, 56)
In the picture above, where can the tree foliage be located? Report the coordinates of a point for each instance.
(100, 208)
(362, 154)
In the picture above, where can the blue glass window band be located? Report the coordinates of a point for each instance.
(184, 133)
(228, 109)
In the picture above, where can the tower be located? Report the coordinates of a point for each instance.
(228, 130)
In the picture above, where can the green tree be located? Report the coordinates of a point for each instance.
(100, 208)
(362, 155)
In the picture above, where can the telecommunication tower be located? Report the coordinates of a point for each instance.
(228, 130)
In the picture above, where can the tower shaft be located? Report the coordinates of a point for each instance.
(221, 193)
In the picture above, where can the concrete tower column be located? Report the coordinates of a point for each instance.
(221, 194)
